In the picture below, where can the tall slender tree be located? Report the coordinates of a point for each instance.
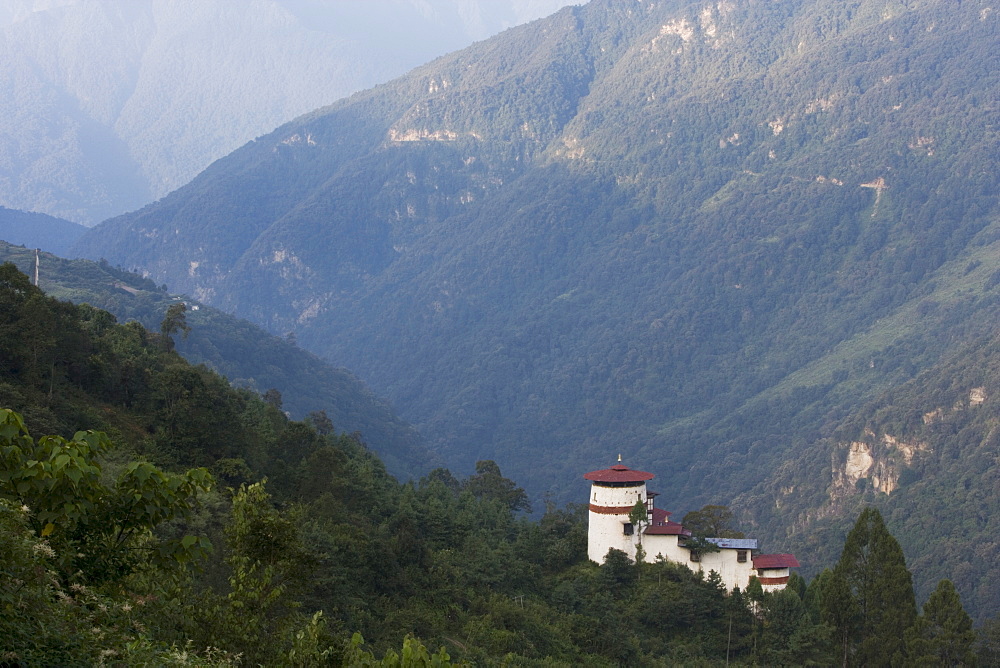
(174, 321)
(881, 590)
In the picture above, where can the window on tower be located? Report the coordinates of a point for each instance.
(628, 529)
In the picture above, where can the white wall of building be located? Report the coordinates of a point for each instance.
(607, 528)
(667, 546)
(725, 562)
(772, 573)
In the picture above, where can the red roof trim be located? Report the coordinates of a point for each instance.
(766, 561)
(611, 510)
(618, 473)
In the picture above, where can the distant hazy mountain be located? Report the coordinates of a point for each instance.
(107, 104)
(36, 230)
(722, 239)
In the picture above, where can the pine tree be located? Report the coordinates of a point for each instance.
(838, 610)
(881, 591)
(943, 635)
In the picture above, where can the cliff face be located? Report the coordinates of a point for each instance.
(877, 461)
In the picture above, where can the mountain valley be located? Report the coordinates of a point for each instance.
(752, 244)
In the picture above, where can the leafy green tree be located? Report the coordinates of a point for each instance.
(943, 635)
(101, 532)
(174, 321)
(15, 290)
(838, 609)
(788, 636)
(711, 521)
(444, 478)
(270, 565)
(272, 397)
(321, 422)
(413, 655)
(564, 534)
(869, 598)
(197, 416)
(740, 624)
(78, 552)
(638, 516)
(489, 483)
(617, 572)
(988, 642)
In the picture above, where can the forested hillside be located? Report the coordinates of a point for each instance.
(299, 382)
(210, 530)
(927, 452)
(715, 236)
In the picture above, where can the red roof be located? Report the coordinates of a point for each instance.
(765, 561)
(667, 528)
(662, 526)
(618, 473)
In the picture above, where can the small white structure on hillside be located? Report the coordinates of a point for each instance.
(613, 495)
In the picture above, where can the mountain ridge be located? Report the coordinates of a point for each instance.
(37, 230)
(111, 104)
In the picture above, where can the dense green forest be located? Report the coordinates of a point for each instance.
(207, 528)
(719, 238)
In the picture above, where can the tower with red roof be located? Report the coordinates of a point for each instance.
(613, 493)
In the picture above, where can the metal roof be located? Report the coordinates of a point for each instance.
(734, 543)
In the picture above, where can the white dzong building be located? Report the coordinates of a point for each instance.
(613, 495)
